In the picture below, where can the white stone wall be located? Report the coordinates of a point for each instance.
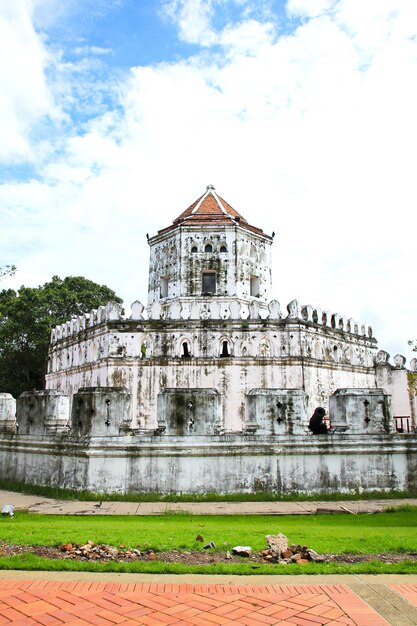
(148, 356)
(178, 257)
(7, 413)
(393, 378)
(302, 464)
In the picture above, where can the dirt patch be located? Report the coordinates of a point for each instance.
(186, 557)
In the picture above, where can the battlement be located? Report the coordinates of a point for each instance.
(107, 412)
(210, 309)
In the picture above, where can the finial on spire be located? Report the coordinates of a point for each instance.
(209, 187)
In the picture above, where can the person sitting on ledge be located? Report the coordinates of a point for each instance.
(316, 424)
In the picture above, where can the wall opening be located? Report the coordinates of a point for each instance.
(164, 287)
(254, 286)
(185, 350)
(208, 247)
(208, 283)
(402, 424)
(225, 349)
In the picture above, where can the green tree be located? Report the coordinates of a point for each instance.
(7, 270)
(26, 319)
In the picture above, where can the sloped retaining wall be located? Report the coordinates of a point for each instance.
(223, 464)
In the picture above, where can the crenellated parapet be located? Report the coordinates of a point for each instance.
(7, 413)
(207, 328)
(106, 412)
(101, 412)
(327, 319)
(232, 309)
(42, 413)
(361, 411)
(396, 380)
(207, 309)
(82, 323)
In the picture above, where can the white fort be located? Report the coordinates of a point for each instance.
(210, 387)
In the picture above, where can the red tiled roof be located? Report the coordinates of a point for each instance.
(210, 208)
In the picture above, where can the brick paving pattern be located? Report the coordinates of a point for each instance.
(409, 592)
(52, 603)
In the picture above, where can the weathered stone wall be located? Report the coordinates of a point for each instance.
(179, 258)
(277, 411)
(189, 412)
(395, 380)
(101, 412)
(7, 413)
(308, 350)
(361, 410)
(303, 464)
(42, 413)
(97, 449)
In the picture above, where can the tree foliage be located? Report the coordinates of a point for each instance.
(26, 319)
(7, 270)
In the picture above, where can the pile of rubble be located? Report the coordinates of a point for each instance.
(94, 552)
(279, 551)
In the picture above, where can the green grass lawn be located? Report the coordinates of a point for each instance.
(391, 532)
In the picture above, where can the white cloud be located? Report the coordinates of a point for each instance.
(247, 37)
(193, 18)
(25, 98)
(88, 50)
(308, 8)
(311, 134)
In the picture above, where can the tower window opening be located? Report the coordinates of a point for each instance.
(194, 249)
(254, 286)
(209, 283)
(225, 349)
(164, 287)
(208, 247)
(185, 350)
(223, 249)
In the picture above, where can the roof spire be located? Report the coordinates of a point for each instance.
(211, 209)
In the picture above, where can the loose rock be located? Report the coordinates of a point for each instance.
(277, 544)
(279, 552)
(242, 550)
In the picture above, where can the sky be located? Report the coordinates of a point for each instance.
(115, 115)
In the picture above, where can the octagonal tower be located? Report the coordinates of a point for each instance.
(210, 252)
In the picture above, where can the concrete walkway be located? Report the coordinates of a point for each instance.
(84, 599)
(49, 506)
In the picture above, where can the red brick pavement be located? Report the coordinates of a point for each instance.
(409, 592)
(56, 603)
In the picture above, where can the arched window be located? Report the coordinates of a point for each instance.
(194, 249)
(185, 350)
(208, 247)
(225, 349)
(223, 248)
